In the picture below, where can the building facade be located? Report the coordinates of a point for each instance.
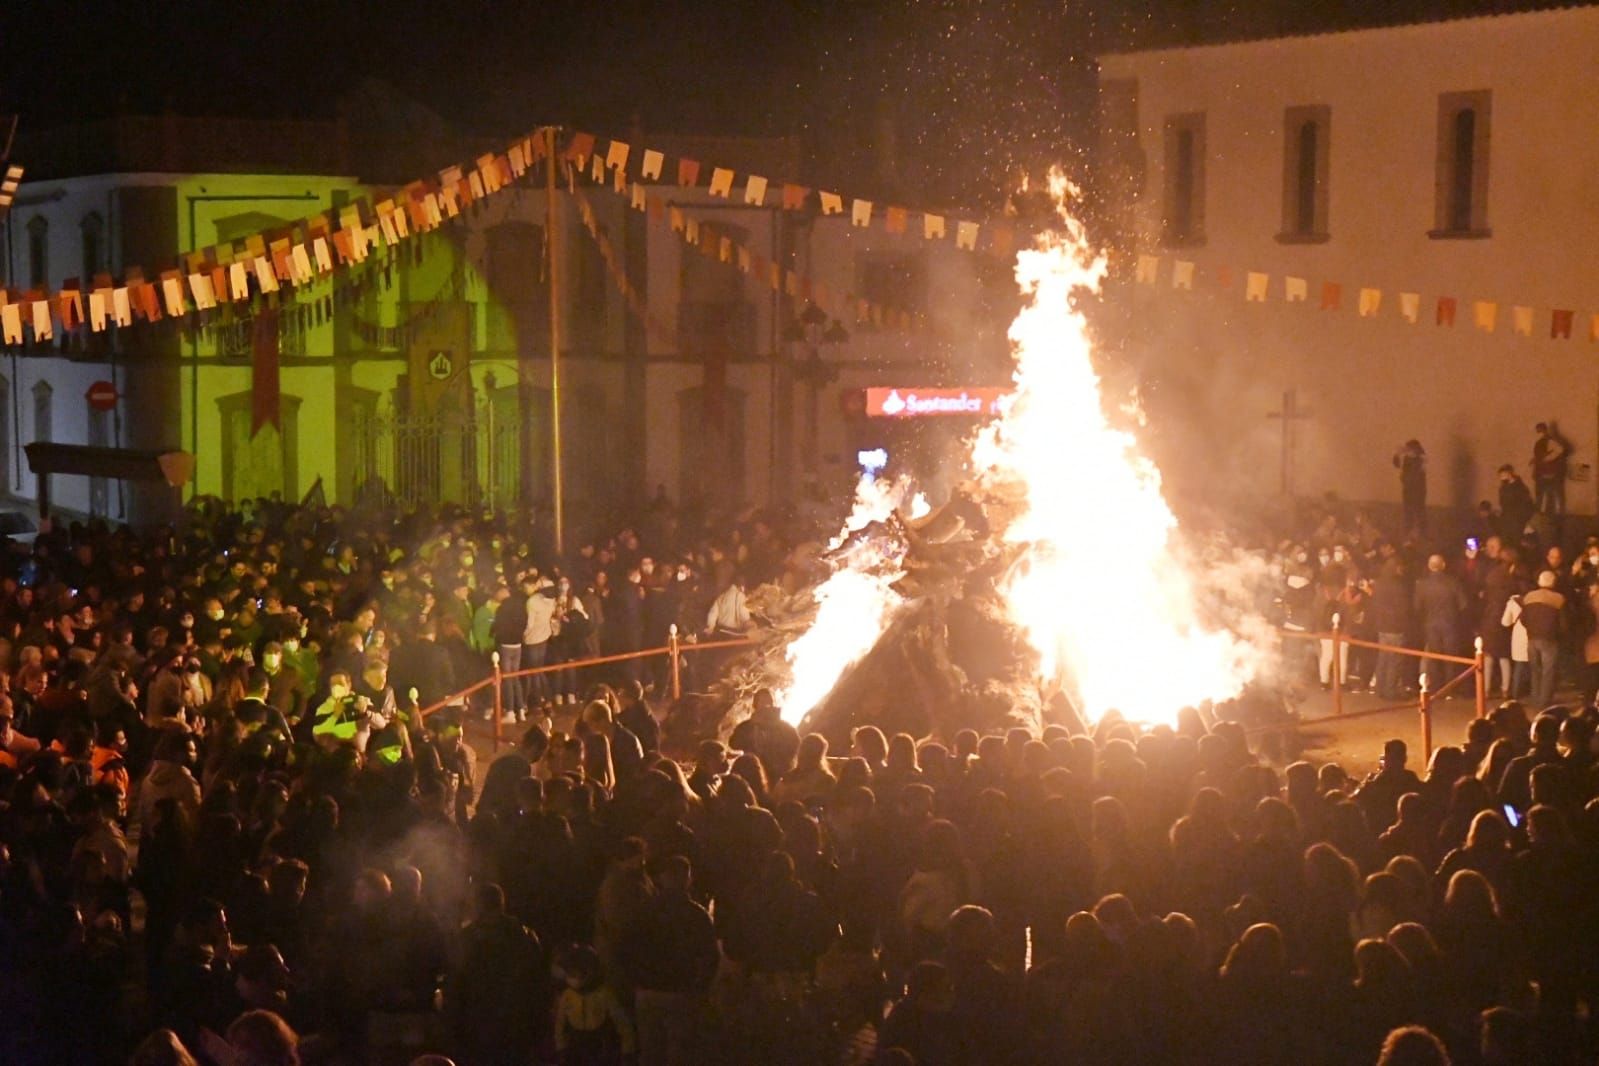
(423, 375)
(1441, 166)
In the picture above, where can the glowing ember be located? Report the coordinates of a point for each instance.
(1102, 592)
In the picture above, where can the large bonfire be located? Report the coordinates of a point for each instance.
(1061, 576)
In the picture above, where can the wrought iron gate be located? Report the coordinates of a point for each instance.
(448, 457)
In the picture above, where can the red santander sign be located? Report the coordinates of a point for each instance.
(102, 395)
(976, 402)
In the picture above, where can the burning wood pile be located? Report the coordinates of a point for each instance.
(948, 656)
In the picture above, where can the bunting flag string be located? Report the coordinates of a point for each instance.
(1368, 302)
(324, 244)
(637, 305)
(996, 239)
(297, 255)
(714, 242)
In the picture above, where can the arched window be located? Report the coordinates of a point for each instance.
(92, 230)
(38, 252)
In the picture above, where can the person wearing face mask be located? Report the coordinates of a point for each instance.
(1516, 506)
(299, 651)
(197, 688)
(344, 717)
(213, 622)
(287, 691)
(1585, 571)
(1298, 606)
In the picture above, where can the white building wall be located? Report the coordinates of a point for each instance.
(1470, 397)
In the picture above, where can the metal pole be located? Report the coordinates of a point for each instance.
(552, 244)
(1337, 673)
(1426, 722)
(1482, 681)
(499, 703)
(677, 676)
(488, 415)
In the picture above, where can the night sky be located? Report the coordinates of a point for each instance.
(973, 88)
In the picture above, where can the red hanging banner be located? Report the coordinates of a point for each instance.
(264, 385)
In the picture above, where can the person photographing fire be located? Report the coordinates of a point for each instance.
(345, 717)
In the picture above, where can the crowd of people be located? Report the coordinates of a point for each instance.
(228, 836)
(1507, 582)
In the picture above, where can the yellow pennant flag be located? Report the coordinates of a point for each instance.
(1485, 315)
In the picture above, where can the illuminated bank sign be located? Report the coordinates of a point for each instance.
(919, 403)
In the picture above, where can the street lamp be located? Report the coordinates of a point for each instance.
(813, 329)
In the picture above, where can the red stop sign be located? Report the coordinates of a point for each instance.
(102, 396)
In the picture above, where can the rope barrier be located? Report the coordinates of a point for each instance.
(673, 648)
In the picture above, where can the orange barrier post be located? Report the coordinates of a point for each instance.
(1482, 682)
(499, 699)
(677, 674)
(1337, 672)
(1426, 722)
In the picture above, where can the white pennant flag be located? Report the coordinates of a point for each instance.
(1410, 307)
(43, 327)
